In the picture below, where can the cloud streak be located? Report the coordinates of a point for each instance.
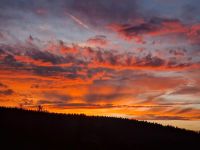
(78, 21)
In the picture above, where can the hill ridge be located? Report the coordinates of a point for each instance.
(77, 131)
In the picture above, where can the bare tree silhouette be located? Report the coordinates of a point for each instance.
(40, 108)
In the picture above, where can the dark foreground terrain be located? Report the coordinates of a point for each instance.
(30, 130)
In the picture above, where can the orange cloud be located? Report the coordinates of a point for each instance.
(95, 81)
(28, 60)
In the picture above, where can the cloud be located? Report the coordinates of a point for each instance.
(136, 94)
(105, 97)
(64, 55)
(178, 52)
(46, 62)
(9, 60)
(44, 56)
(157, 117)
(78, 21)
(56, 96)
(98, 40)
(168, 113)
(26, 102)
(153, 27)
(194, 34)
(6, 92)
(188, 90)
(156, 27)
(3, 85)
(63, 105)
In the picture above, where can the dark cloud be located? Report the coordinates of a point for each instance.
(89, 105)
(3, 85)
(47, 71)
(45, 56)
(154, 26)
(26, 102)
(150, 60)
(51, 102)
(98, 40)
(74, 76)
(106, 72)
(11, 61)
(56, 97)
(178, 52)
(1, 52)
(6, 92)
(86, 62)
(93, 98)
(35, 86)
(67, 105)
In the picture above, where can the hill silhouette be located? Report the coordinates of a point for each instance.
(23, 129)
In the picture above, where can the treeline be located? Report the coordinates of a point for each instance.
(27, 129)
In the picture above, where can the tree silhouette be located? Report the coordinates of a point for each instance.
(40, 108)
(78, 131)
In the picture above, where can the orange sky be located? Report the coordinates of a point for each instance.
(135, 59)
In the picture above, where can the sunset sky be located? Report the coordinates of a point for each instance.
(138, 59)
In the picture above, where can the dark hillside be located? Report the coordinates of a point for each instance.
(30, 130)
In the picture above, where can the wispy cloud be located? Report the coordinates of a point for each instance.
(77, 20)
